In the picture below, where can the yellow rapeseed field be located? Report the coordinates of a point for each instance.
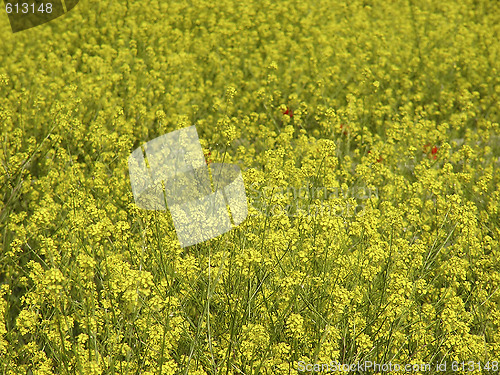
(368, 136)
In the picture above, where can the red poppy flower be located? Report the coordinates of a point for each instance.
(288, 112)
(434, 152)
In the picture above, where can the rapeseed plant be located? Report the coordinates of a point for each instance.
(309, 99)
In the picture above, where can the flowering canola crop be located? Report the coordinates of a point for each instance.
(314, 100)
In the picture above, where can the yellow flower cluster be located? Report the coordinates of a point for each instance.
(368, 136)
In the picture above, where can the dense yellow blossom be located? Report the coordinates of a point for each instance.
(368, 137)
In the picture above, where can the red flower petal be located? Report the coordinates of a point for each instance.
(288, 112)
